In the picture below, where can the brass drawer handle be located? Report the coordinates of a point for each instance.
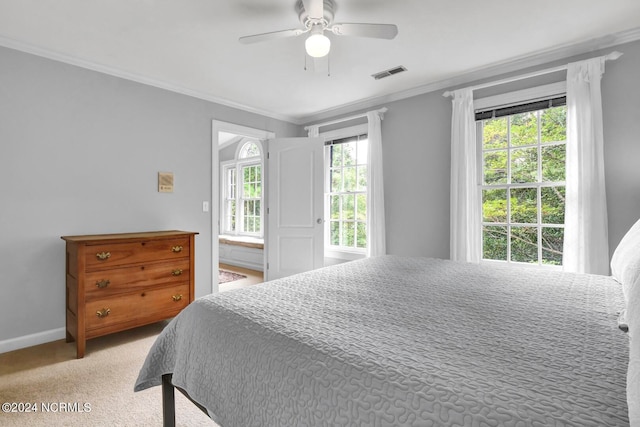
(103, 283)
(176, 249)
(176, 272)
(177, 298)
(103, 313)
(102, 256)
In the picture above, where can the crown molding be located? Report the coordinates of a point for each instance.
(491, 71)
(112, 71)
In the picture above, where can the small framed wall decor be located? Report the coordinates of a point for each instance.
(165, 182)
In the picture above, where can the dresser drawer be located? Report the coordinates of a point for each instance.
(112, 254)
(138, 306)
(104, 283)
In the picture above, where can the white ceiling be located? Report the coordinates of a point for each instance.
(191, 46)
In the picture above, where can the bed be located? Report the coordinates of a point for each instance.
(395, 341)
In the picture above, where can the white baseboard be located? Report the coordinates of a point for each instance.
(31, 340)
(240, 263)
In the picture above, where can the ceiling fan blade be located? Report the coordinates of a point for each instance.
(315, 8)
(378, 31)
(256, 38)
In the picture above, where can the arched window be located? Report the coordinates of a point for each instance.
(242, 191)
(249, 149)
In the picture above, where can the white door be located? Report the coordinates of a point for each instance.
(295, 206)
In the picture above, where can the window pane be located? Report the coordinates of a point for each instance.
(250, 149)
(524, 205)
(524, 128)
(336, 180)
(231, 179)
(362, 235)
(258, 169)
(349, 178)
(334, 231)
(494, 243)
(524, 165)
(553, 127)
(524, 244)
(231, 215)
(348, 207)
(494, 205)
(349, 154)
(362, 207)
(552, 205)
(494, 133)
(495, 167)
(336, 155)
(554, 162)
(362, 178)
(348, 234)
(334, 207)
(552, 241)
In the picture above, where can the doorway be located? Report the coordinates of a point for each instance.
(237, 247)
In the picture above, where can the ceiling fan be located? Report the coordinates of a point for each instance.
(316, 17)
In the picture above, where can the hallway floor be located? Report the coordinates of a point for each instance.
(253, 277)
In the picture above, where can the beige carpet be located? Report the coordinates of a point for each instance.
(100, 384)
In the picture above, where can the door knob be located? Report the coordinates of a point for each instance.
(319, 221)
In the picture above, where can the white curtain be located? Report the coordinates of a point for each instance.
(466, 240)
(376, 238)
(586, 247)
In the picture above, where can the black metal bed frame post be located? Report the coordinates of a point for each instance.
(168, 402)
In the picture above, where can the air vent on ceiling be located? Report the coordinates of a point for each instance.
(389, 72)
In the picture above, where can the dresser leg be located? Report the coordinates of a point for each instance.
(80, 347)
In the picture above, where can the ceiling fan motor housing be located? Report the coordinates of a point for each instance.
(329, 8)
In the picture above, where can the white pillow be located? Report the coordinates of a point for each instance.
(633, 373)
(625, 262)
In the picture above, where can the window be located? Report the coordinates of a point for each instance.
(242, 180)
(523, 182)
(346, 191)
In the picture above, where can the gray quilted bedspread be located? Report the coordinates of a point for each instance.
(395, 341)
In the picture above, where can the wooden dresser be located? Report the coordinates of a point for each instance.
(121, 281)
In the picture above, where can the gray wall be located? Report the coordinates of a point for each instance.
(621, 111)
(416, 139)
(79, 154)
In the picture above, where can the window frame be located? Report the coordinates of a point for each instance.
(503, 100)
(238, 164)
(331, 251)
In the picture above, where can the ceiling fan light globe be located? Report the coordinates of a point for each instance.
(317, 45)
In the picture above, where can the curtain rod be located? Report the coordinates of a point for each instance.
(345, 119)
(610, 57)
